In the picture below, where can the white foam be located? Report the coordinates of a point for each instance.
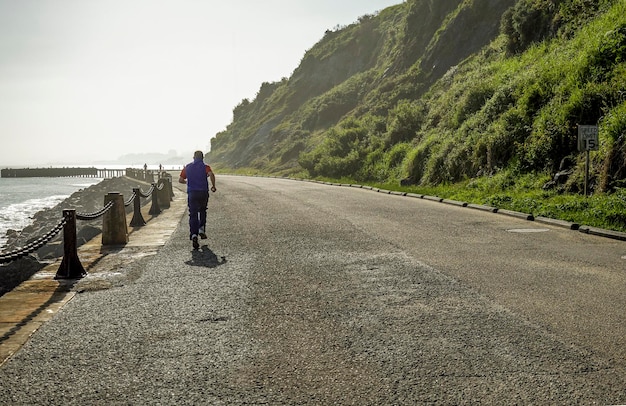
(19, 215)
(21, 198)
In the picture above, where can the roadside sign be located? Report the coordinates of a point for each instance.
(588, 138)
(587, 141)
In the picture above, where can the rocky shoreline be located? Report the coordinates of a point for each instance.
(88, 200)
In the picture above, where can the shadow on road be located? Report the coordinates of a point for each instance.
(204, 257)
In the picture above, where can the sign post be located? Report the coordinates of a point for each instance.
(587, 141)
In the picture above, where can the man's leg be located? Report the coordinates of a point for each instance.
(194, 209)
(202, 216)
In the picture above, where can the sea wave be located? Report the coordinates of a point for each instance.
(19, 215)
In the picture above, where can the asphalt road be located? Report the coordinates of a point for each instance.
(314, 294)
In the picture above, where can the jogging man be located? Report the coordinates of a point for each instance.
(195, 176)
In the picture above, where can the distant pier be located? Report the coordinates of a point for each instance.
(61, 173)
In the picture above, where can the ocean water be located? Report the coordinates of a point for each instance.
(21, 198)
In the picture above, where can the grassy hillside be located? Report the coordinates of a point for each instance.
(441, 92)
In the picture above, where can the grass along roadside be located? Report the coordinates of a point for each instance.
(607, 211)
(505, 191)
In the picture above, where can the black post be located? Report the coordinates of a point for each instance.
(587, 173)
(138, 219)
(70, 268)
(155, 209)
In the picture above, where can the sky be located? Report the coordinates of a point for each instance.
(88, 81)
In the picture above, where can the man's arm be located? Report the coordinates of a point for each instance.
(212, 177)
(181, 180)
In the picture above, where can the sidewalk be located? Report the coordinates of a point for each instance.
(25, 309)
(144, 329)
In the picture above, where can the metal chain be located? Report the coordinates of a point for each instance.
(146, 194)
(130, 200)
(33, 246)
(40, 242)
(93, 216)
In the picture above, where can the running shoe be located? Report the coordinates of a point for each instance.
(194, 240)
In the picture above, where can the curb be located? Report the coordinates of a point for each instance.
(558, 223)
(432, 198)
(482, 207)
(615, 235)
(415, 195)
(454, 203)
(517, 214)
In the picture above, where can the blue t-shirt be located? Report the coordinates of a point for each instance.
(196, 175)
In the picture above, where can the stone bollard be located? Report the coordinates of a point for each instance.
(168, 177)
(114, 228)
(163, 192)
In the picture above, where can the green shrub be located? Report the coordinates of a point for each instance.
(472, 100)
(613, 130)
(527, 22)
(341, 149)
(500, 101)
(416, 161)
(405, 120)
(611, 52)
(531, 21)
(373, 169)
(336, 167)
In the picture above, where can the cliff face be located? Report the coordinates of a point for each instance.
(443, 90)
(338, 73)
(466, 32)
